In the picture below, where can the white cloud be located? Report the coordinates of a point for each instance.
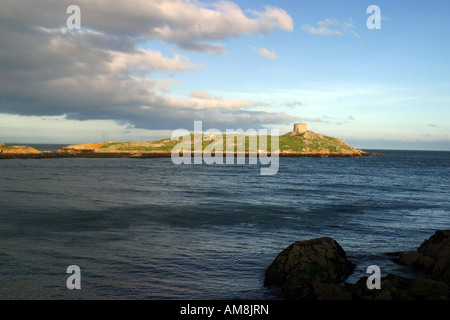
(144, 61)
(330, 27)
(323, 28)
(350, 27)
(200, 94)
(191, 25)
(263, 52)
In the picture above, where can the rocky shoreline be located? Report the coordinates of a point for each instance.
(293, 144)
(155, 154)
(315, 270)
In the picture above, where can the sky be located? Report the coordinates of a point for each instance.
(137, 69)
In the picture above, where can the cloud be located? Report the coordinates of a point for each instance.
(148, 61)
(349, 27)
(200, 94)
(103, 71)
(293, 104)
(315, 120)
(200, 46)
(433, 125)
(411, 137)
(263, 52)
(189, 24)
(329, 27)
(323, 28)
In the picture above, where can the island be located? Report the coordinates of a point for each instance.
(298, 143)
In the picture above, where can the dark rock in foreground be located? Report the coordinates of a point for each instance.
(394, 287)
(433, 255)
(310, 269)
(316, 268)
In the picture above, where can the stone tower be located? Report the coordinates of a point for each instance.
(300, 127)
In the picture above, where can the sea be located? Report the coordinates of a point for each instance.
(148, 229)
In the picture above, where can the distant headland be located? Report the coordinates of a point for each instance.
(298, 143)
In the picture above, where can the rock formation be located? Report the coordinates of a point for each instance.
(433, 255)
(293, 144)
(395, 287)
(4, 149)
(316, 268)
(310, 269)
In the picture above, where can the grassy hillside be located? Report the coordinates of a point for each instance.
(308, 142)
(290, 142)
(312, 142)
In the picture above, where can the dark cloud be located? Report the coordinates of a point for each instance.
(101, 72)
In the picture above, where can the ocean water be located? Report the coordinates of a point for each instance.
(149, 229)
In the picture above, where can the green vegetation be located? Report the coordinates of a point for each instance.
(4, 146)
(305, 142)
(219, 143)
(160, 145)
(294, 143)
(108, 145)
(147, 148)
(316, 143)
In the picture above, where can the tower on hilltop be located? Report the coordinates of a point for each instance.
(300, 128)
